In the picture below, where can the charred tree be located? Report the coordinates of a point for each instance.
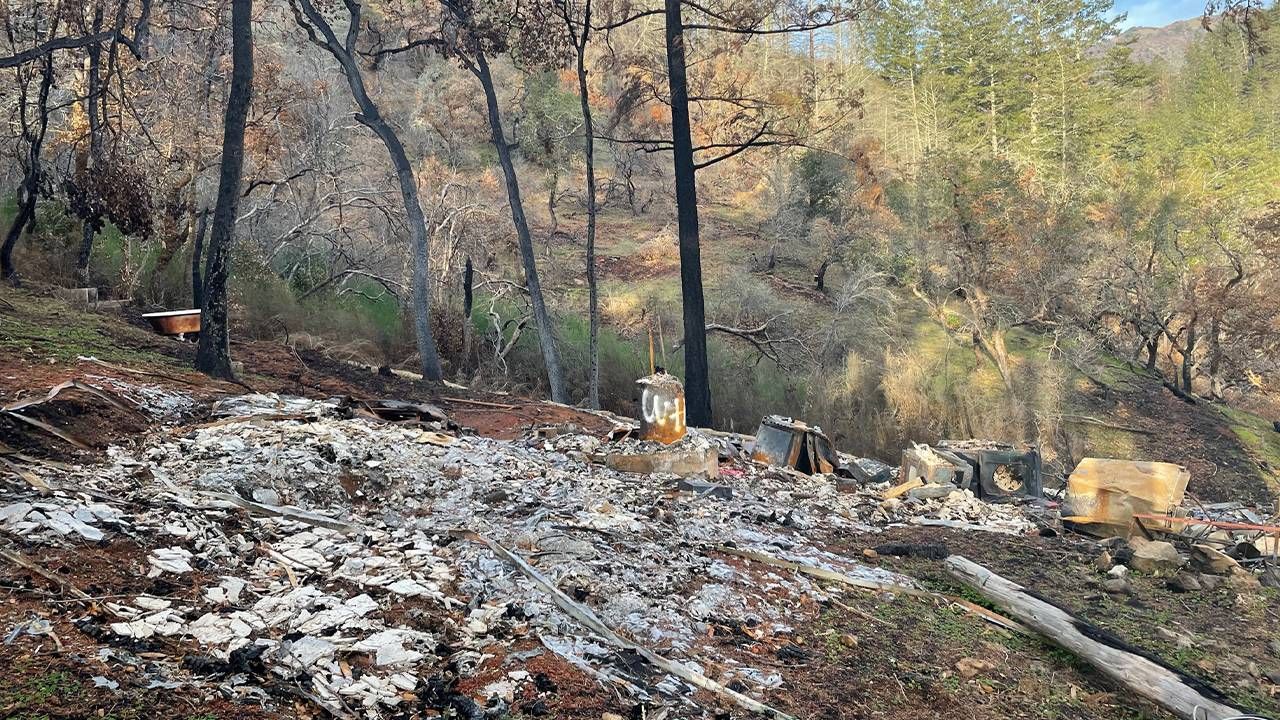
(479, 66)
(697, 380)
(213, 355)
(581, 34)
(29, 191)
(93, 90)
(197, 252)
(344, 51)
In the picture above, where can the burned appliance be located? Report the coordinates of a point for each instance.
(936, 466)
(783, 441)
(1000, 470)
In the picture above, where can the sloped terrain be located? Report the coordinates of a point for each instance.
(241, 554)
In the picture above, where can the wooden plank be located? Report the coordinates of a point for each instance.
(1181, 694)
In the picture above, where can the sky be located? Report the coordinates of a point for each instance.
(1156, 13)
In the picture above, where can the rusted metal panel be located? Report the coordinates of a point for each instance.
(661, 408)
(783, 441)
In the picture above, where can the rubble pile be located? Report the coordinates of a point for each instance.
(948, 506)
(353, 556)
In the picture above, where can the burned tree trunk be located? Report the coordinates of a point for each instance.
(697, 373)
(95, 142)
(371, 117)
(1188, 355)
(820, 277)
(197, 252)
(29, 192)
(546, 333)
(468, 304)
(588, 153)
(213, 355)
(1152, 346)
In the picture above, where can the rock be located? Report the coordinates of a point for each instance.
(969, 667)
(1210, 582)
(1118, 586)
(849, 640)
(1119, 572)
(1211, 560)
(1274, 647)
(1184, 582)
(1270, 578)
(1274, 677)
(1103, 562)
(870, 554)
(1182, 641)
(1156, 558)
(266, 496)
(1242, 580)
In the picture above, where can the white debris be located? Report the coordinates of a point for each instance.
(172, 560)
(309, 651)
(643, 558)
(102, 681)
(14, 512)
(146, 602)
(388, 647)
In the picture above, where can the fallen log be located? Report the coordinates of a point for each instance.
(1181, 694)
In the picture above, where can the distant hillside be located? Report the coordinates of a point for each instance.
(1168, 43)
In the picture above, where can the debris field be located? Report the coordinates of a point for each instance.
(292, 552)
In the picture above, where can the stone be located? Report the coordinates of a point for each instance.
(1182, 641)
(1156, 558)
(1210, 582)
(1103, 562)
(1184, 582)
(1242, 580)
(1118, 586)
(1119, 571)
(1211, 560)
(1270, 578)
(969, 667)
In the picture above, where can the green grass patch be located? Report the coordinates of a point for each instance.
(1258, 436)
(47, 328)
